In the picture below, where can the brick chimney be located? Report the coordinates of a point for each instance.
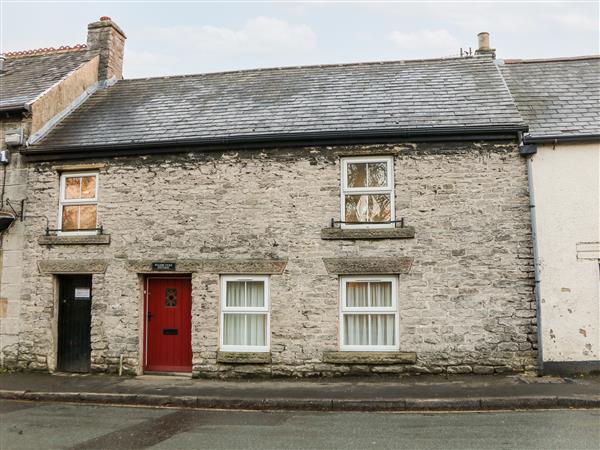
(106, 39)
(483, 39)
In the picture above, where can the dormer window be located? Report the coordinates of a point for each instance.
(368, 192)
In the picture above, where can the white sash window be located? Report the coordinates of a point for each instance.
(369, 313)
(78, 208)
(368, 192)
(245, 313)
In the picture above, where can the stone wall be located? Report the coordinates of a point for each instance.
(14, 179)
(466, 305)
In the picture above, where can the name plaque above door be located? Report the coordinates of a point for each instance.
(163, 266)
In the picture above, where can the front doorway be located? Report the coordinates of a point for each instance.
(74, 322)
(168, 324)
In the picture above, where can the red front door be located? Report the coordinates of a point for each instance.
(168, 326)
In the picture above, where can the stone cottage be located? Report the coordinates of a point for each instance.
(38, 88)
(302, 221)
(560, 100)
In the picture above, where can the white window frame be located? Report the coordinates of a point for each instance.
(245, 310)
(66, 202)
(393, 309)
(389, 189)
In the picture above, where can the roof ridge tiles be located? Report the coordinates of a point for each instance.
(314, 66)
(45, 51)
(551, 60)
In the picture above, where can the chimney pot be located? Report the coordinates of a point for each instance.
(104, 18)
(484, 40)
(484, 48)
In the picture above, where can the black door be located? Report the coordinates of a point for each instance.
(74, 320)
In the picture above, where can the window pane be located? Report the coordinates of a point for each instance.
(357, 294)
(88, 187)
(356, 208)
(357, 174)
(72, 187)
(87, 217)
(356, 329)
(379, 208)
(382, 329)
(236, 293)
(377, 174)
(256, 329)
(233, 329)
(255, 293)
(245, 329)
(381, 293)
(69, 217)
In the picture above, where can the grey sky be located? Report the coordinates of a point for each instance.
(166, 38)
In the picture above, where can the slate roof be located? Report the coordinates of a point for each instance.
(559, 97)
(26, 77)
(424, 96)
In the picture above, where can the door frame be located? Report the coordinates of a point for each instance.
(145, 283)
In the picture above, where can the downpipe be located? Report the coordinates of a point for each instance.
(536, 262)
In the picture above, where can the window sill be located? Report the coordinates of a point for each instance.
(244, 357)
(83, 239)
(378, 358)
(367, 233)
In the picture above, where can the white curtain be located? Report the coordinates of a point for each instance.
(255, 293)
(356, 329)
(381, 293)
(358, 332)
(245, 329)
(382, 329)
(357, 294)
(236, 293)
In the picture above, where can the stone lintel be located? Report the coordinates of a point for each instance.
(79, 167)
(255, 266)
(368, 266)
(377, 358)
(367, 233)
(244, 357)
(93, 239)
(61, 266)
(245, 266)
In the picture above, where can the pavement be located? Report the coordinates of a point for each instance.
(415, 393)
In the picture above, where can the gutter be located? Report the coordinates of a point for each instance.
(430, 134)
(560, 138)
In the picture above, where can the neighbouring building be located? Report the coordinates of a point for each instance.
(560, 101)
(38, 88)
(303, 221)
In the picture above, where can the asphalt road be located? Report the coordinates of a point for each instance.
(31, 425)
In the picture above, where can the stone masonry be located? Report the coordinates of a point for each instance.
(466, 303)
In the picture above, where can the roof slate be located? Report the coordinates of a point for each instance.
(558, 97)
(353, 98)
(26, 77)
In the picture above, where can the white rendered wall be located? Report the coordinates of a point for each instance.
(566, 184)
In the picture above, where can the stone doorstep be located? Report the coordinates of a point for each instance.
(96, 239)
(367, 233)
(244, 357)
(378, 358)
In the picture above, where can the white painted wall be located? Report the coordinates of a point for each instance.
(566, 184)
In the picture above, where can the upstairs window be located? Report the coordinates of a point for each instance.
(368, 192)
(245, 313)
(369, 313)
(78, 202)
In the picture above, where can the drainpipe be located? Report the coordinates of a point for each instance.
(529, 150)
